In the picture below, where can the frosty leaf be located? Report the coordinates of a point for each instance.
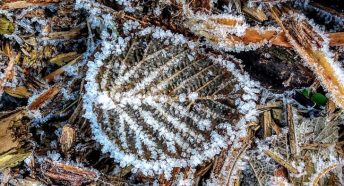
(281, 146)
(259, 171)
(161, 105)
(318, 130)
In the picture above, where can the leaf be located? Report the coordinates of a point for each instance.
(161, 103)
(229, 167)
(6, 26)
(322, 130)
(306, 92)
(319, 99)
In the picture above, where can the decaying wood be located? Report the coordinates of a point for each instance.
(12, 159)
(7, 121)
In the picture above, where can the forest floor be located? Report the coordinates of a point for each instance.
(148, 92)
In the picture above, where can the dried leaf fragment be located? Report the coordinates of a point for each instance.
(255, 13)
(50, 77)
(74, 33)
(12, 159)
(61, 59)
(45, 96)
